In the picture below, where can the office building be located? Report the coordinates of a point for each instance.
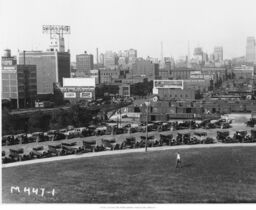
(132, 55)
(109, 59)
(84, 63)
(52, 67)
(19, 83)
(250, 50)
(95, 73)
(108, 75)
(218, 54)
(243, 72)
(144, 68)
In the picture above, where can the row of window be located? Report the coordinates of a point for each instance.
(109, 74)
(176, 96)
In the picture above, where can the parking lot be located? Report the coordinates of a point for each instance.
(238, 124)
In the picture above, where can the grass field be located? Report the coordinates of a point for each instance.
(208, 175)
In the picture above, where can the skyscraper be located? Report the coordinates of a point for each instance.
(109, 59)
(250, 49)
(18, 82)
(84, 63)
(52, 67)
(218, 54)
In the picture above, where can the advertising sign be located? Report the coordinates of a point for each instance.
(86, 95)
(176, 84)
(69, 95)
(79, 82)
(56, 29)
(77, 89)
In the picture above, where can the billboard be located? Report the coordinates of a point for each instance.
(69, 95)
(79, 82)
(56, 29)
(86, 95)
(176, 84)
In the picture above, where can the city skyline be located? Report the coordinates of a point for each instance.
(141, 25)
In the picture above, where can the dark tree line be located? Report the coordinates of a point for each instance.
(142, 88)
(101, 91)
(41, 121)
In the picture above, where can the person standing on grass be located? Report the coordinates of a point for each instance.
(178, 161)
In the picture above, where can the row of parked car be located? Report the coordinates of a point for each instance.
(238, 137)
(51, 135)
(106, 144)
(129, 143)
(108, 129)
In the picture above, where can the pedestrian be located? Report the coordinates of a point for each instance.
(178, 161)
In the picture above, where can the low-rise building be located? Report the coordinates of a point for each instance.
(243, 72)
(108, 75)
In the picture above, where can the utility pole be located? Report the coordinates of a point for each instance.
(146, 143)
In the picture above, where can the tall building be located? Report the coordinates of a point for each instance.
(250, 50)
(218, 54)
(132, 55)
(84, 63)
(18, 82)
(144, 68)
(52, 67)
(101, 59)
(109, 59)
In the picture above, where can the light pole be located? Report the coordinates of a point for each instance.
(146, 143)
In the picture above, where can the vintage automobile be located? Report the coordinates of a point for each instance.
(129, 142)
(16, 154)
(99, 131)
(253, 135)
(39, 152)
(70, 148)
(151, 141)
(39, 137)
(54, 149)
(240, 136)
(251, 122)
(110, 144)
(199, 135)
(222, 135)
(183, 138)
(207, 140)
(89, 145)
(166, 139)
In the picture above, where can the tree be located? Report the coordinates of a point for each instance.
(60, 119)
(39, 121)
(7, 126)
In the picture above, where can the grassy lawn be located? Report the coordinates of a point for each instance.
(208, 175)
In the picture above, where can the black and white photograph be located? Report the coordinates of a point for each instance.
(128, 103)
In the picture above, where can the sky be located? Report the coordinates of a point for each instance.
(124, 24)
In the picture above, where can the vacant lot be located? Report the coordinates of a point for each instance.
(208, 175)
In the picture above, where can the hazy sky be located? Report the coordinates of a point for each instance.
(123, 24)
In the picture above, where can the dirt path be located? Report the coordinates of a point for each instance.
(96, 154)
